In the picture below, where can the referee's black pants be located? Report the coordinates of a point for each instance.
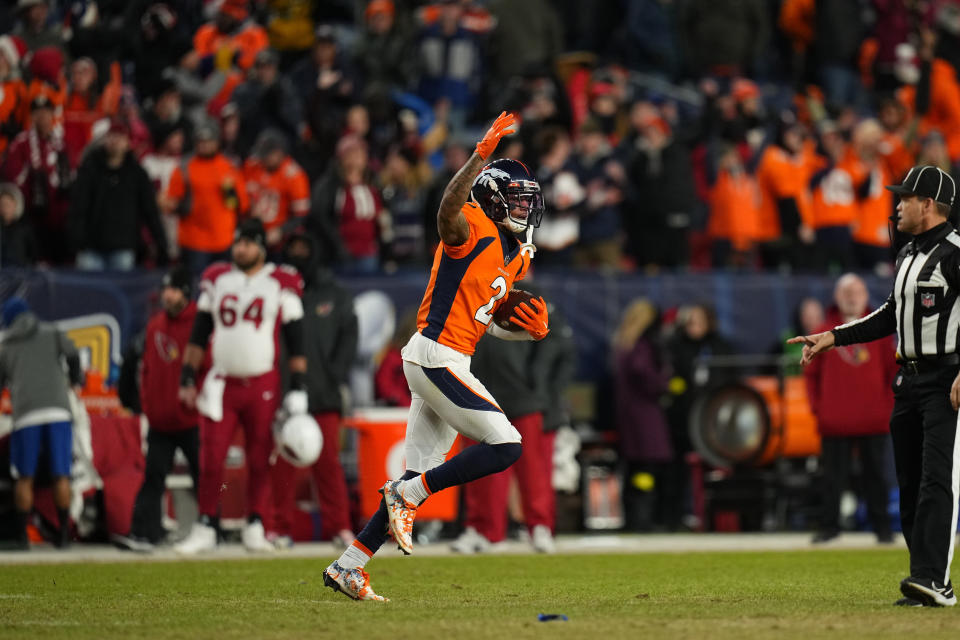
(161, 447)
(925, 446)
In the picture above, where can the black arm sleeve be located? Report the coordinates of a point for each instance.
(878, 324)
(202, 328)
(293, 337)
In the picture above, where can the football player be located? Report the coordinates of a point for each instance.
(475, 266)
(241, 305)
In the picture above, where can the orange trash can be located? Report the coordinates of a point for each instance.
(380, 457)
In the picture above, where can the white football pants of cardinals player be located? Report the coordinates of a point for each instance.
(445, 401)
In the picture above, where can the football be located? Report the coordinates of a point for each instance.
(503, 313)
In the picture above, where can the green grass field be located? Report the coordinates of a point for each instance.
(806, 594)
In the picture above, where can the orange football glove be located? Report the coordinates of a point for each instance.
(532, 317)
(500, 127)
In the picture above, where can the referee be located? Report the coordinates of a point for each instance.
(924, 310)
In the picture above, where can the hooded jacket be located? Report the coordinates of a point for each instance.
(329, 333)
(31, 365)
(163, 346)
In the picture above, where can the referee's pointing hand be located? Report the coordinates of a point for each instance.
(816, 344)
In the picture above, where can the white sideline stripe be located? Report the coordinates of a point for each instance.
(567, 544)
(955, 492)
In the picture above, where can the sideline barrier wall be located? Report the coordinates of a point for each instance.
(752, 309)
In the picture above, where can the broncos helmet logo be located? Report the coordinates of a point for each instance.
(491, 175)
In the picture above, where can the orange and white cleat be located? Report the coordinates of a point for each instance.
(400, 515)
(353, 583)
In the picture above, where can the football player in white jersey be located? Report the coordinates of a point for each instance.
(245, 305)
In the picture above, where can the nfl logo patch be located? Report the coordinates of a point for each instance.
(927, 300)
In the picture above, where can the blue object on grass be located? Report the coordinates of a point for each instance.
(547, 617)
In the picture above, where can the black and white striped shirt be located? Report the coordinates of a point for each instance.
(924, 307)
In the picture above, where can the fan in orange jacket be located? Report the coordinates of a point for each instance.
(278, 187)
(871, 235)
(210, 197)
(833, 197)
(48, 80)
(83, 107)
(934, 98)
(233, 31)
(734, 207)
(898, 154)
(782, 176)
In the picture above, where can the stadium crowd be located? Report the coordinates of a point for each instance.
(665, 134)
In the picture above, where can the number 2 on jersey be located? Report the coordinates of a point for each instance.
(483, 313)
(228, 311)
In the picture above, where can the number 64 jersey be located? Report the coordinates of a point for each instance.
(247, 313)
(467, 283)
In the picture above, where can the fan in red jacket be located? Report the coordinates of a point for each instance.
(850, 395)
(172, 424)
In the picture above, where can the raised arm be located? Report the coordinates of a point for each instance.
(450, 221)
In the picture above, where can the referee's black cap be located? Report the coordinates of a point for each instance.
(927, 181)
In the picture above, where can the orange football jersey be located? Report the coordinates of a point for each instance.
(780, 175)
(834, 197)
(468, 283)
(875, 207)
(276, 196)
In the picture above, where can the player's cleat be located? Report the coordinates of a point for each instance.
(907, 602)
(400, 515)
(542, 539)
(202, 537)
(280, 543)
(132, 543)
(471, 541)
(353, 583)
(929, 592)
(254, 538)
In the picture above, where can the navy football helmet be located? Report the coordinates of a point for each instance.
(504, 186)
